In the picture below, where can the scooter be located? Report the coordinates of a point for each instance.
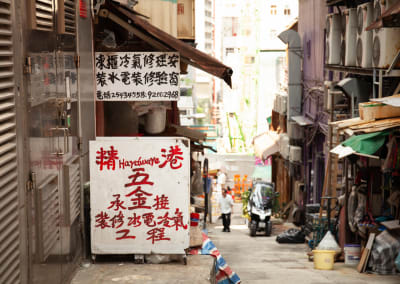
(260, 206)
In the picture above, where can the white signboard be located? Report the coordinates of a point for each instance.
(137, 76)
(139, 195)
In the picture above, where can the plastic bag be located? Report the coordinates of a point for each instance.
(291, 236)
(162, 258)
(196, 181)
(328, 243)
(397, 262)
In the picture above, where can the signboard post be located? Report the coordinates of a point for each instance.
(137, 76)
(139, 195)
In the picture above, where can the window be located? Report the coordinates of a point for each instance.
(273, 10)
(231, 26)
(229, 50)
(286, 11)
(249, 60)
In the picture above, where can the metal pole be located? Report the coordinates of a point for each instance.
(205, 180)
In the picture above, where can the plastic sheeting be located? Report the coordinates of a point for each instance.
(367, 143)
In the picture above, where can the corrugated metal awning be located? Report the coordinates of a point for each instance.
(164, 41)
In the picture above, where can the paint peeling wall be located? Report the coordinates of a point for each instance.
(311, 27)
(312, 15)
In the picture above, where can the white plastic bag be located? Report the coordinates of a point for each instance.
(329, 243)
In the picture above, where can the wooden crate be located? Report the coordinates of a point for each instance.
(372, 111)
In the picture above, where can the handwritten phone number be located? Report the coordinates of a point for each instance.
(137, 95)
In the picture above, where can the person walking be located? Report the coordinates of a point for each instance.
(226, 205)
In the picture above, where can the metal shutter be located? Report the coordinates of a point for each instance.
(72, 191)
(66, 17)
(40, 14)
(9, 211)
(47, 205)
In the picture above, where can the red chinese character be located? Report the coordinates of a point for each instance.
(164, 220)
(148, 219)
(101, 220)
(178, 220)
(117, 221)
(140, 200)
(157, 234)
(107, 158)
(161, 202)
(134, 221)
(137, 174)
(125, 235)
(117, 203)
(172, 157)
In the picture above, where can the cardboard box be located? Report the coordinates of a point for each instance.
(373, 110)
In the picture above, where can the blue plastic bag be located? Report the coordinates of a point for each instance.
(397, 261)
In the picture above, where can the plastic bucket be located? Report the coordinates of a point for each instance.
(155, 120)
(194, 219)
(324, 259)
(352, 254)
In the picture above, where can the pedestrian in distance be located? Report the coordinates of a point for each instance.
(226, 205)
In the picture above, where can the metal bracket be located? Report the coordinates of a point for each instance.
(80, 142)
(28, 65)
(29, 186)
(394, 62)
(77, 60)
(96, 7)
(31, 183)
(58, 151)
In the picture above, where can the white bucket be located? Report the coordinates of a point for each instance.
(352, 253)
(155, 120)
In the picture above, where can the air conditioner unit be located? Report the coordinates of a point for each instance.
(385, 46)
(351, 37)
(283, 104)
(295, 153)
(365, 15)
(186, 19)
(294, 131)
(380, 7)
(343, 39)
(277, 103)
(333, 38)
(284, 145)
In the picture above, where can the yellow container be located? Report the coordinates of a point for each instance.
(324, 259)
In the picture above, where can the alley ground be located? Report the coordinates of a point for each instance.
(255, 259)
(261, 259)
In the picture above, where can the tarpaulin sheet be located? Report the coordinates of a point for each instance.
(225, 275)
(266, 144)
(367, 143)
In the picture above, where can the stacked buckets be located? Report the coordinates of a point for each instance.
(352, 253)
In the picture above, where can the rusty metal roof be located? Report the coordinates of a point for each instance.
(166, 42)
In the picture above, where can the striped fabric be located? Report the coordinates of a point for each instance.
(225, 275)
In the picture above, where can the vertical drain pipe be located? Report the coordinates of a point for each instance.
(292, 39)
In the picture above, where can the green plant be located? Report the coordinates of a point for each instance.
(245, 200)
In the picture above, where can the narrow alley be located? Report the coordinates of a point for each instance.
(130, 130)
(261, 259)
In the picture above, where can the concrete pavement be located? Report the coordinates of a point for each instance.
(126, 272)
(261, 259)
(256, 260)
